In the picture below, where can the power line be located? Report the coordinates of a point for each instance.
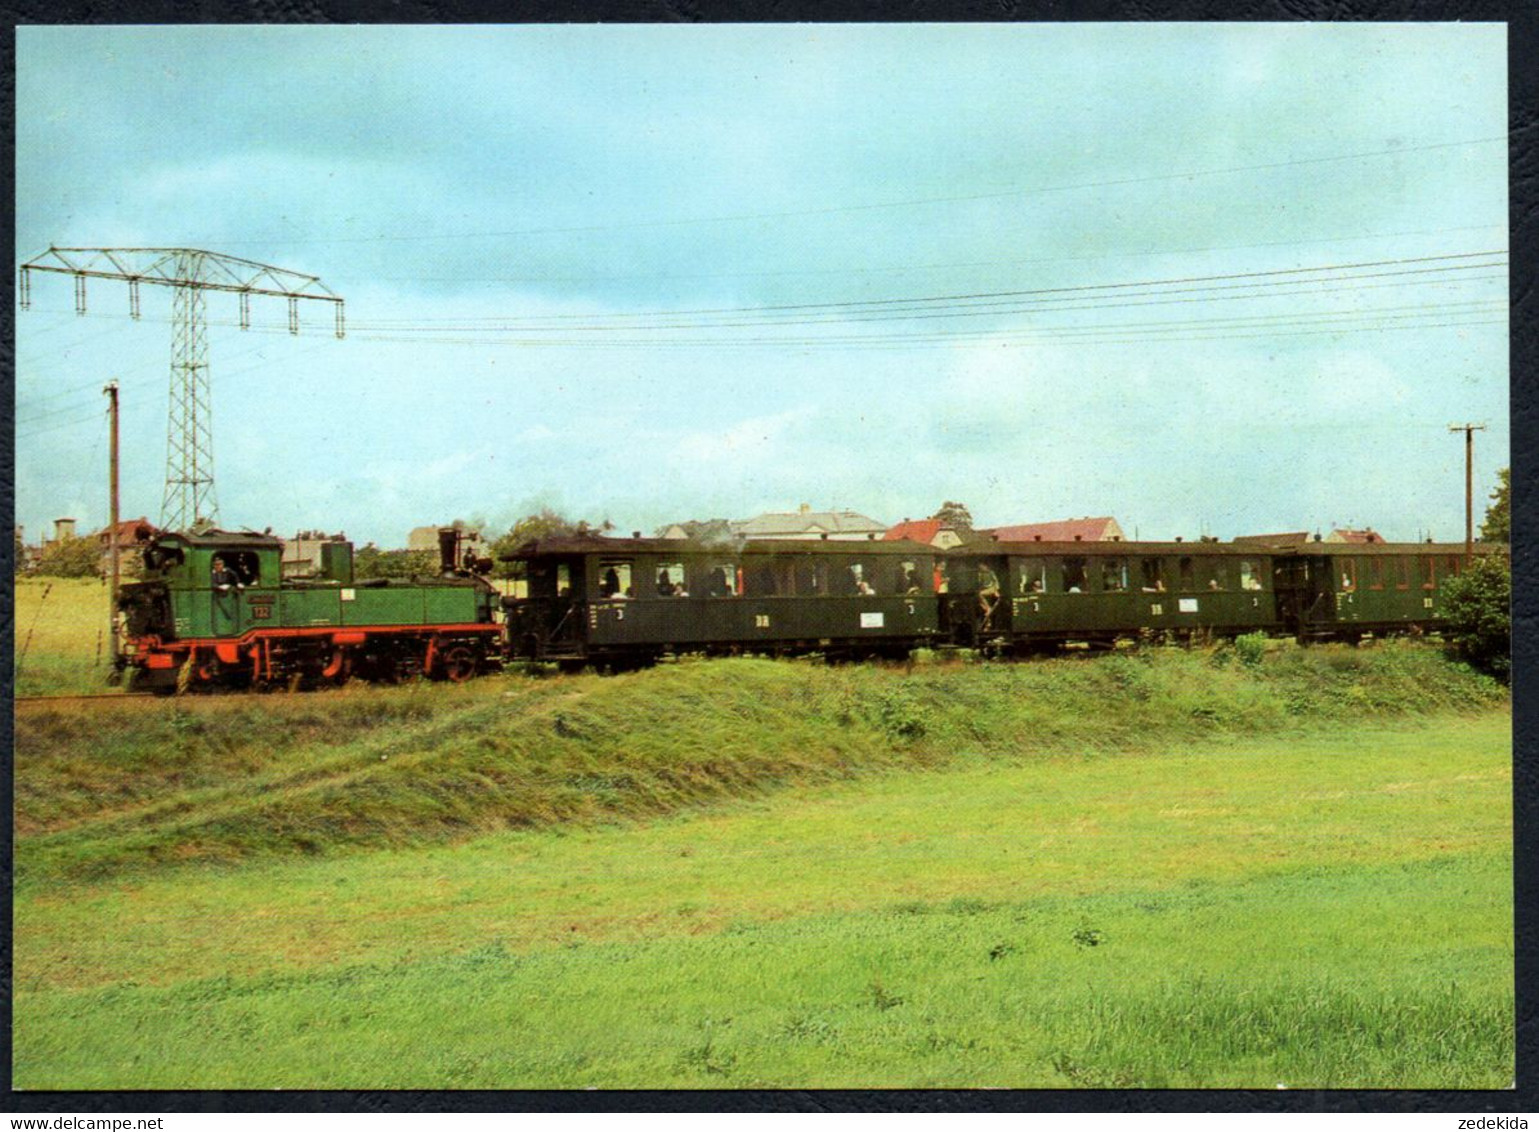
(437, 333)
(977, 298)
(880, 343)
(1403, 311)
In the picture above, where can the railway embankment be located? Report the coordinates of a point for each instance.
(220, 780)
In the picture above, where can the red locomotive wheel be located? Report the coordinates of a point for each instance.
(459, 664)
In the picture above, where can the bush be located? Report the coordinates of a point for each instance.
(1476, 608)
(1251, 648)
(370, 561)
(71, 558)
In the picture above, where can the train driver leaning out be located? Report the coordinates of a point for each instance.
(224, 579)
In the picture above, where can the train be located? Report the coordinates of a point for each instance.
(213, 610)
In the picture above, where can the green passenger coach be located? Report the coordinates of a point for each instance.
(1345, 591)
(1032, 596)
(625, 601)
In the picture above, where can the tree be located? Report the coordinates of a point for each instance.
(1497, 526)
(955, 515)
(72, 558)
(543, 524)
(369, 561)
(1476, 609)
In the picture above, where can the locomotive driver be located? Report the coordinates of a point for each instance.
(224, 578)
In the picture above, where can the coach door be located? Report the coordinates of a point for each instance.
(1290, 586)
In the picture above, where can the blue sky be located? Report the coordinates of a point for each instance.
(651, 273)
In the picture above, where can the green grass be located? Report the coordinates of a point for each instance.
(221, 780)
(61, 646)
(1327, 909)
(1192, 987)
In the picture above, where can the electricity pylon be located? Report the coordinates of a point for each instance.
(189, 497)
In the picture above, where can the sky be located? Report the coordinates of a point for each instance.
(1207, 279)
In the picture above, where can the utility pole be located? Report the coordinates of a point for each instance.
(1469, 431)
(189, 498)
(112, 609)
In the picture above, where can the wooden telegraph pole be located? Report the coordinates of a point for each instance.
(1469, 431)
(112, 612)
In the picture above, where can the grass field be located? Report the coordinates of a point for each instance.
(61, 636)
(1218, 867)
(1292, 871)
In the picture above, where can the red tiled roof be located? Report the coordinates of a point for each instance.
(916, 530)
(129, 530)
(1287, 538)
(1066, 530)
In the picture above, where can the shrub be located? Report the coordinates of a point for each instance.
(71, 558)
(1250, 648)
(1476, 609)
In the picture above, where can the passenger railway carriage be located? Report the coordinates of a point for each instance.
(1024, 597)
(622, 601)
(1344, 591)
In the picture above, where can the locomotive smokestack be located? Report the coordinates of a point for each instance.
(448, 550)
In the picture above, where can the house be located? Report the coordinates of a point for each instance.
(132, 535)
(302, 553)
(807, 523)
(1292, 540)
(1286, 540)
(26, 556)
(931, 532)
(426, 538)
(63, 529)
(708, 530)
(1366, 535)
(1103, 529)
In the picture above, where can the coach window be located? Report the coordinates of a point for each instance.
(759, 580)
(1151, 576)
(782, 577)
(860, 579)
(1218, 575)
(1428, 572)
(615, 578)
(1187, 576)
(721, 580)
(1250, 577)
(1451, 567)
(1375, 573)
(1074, 576)
(1114, 575)
(812, 579)
(911, 579)
(1348, 572)
(670, 580)
(1033, 576)
(1402, 573)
